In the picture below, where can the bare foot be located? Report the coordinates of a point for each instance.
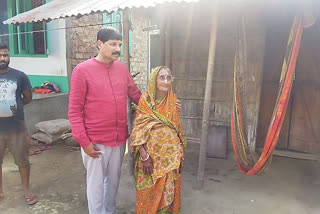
(31, 198)
(28, 194)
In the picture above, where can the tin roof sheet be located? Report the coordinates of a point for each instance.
(57, 9)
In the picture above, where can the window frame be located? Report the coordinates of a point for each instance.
(5, 9)
(113, 16)
(29, 51)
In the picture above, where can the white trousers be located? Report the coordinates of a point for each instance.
(103, 176)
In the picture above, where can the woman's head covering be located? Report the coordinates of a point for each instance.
(153, 81)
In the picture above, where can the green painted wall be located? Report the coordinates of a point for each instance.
(61, 81)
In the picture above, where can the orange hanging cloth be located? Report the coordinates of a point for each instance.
(238, 119)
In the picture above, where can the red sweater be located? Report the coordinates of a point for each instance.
(98, 102)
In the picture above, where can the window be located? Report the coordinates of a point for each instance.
(21, 42)
(3, 27)
(115, 20)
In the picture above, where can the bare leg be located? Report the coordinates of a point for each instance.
(1, 191)
(25, 175)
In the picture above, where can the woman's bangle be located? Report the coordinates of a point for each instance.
(145, 159)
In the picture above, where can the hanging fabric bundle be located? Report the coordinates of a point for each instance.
(245, 160)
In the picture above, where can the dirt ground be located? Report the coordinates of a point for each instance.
(289, 187)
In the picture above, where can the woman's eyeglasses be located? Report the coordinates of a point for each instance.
(168, 78)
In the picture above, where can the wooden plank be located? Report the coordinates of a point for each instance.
(190, 68)
(125, 39)
(200, 118)
(207, 97)
(192, 139)
(167, 49)
(69, 48)
(126, 61)
(305, 125)
(276, 41)
(191, 127)
(162, 35)
(220, 110)
(196, 86)
(296, 155)
(189, 79)
(213, 100)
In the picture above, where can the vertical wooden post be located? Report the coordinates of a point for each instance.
(207, 96)
(68, 49)
(167, 57)
(162, 35)
(125, 39)
(126, 61)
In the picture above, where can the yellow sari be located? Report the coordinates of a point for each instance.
(157, 127)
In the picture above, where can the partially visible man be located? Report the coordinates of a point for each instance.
(98, 116)
(15, 92)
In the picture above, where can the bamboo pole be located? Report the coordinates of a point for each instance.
(162, 34)
(207, 97)
(125, 39)
(167, 58)
(68, 50)
(126, 61)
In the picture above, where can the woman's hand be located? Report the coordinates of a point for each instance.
(148, 166)
(178, 105)
(181, 161)
(181, 165)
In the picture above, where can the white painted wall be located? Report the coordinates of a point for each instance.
(55, 64)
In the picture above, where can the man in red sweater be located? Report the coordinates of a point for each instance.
(98, 116)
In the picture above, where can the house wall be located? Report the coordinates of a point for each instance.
(83, 39)
(83, 43)
(51, 68)
(139, 57)
(300, 125)
(45, 107)
(190, 36)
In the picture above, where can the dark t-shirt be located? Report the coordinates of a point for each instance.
(12, 84)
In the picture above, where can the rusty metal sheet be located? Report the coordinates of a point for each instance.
(57, 9)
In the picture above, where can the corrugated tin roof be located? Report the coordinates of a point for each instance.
(65, 8)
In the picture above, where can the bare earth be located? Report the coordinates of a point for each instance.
(289, 187)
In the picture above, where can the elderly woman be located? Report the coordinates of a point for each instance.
(157, 142)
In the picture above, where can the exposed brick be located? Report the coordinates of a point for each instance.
(83, 41)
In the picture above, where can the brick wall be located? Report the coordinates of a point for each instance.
(83, 44)
(140, 49)
(83, 39)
